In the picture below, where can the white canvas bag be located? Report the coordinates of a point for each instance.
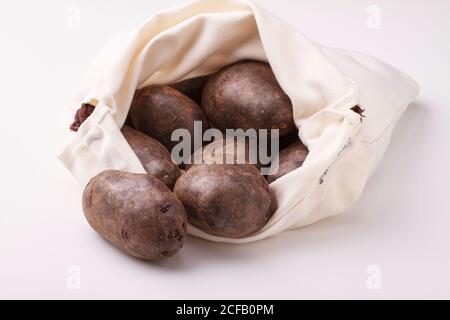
(203, 36)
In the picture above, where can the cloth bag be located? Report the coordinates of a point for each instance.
(324, 84)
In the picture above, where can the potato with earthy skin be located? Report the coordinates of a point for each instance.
(193, 88)
(155, 159)
(225, 200)
(158, 110)
(136, 213)
(291, 138)
(290, 159)
(247, 95)
(128, 122)
(226, 151)
(81, 115)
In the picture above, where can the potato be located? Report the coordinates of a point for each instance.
(247, 95)
(226, 151)
(158, 110)
(193, 88)
(129, 122)
(225, 200)
(136, 213)
(291, 158)
(81, 115)
(291, 138)
(155, 159)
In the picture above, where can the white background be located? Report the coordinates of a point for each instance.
(401, 223)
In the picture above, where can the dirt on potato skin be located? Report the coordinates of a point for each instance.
(155, 158)
(137, 213)
(247, 95)
(225, 200)
(290, 159)
(158, 110)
